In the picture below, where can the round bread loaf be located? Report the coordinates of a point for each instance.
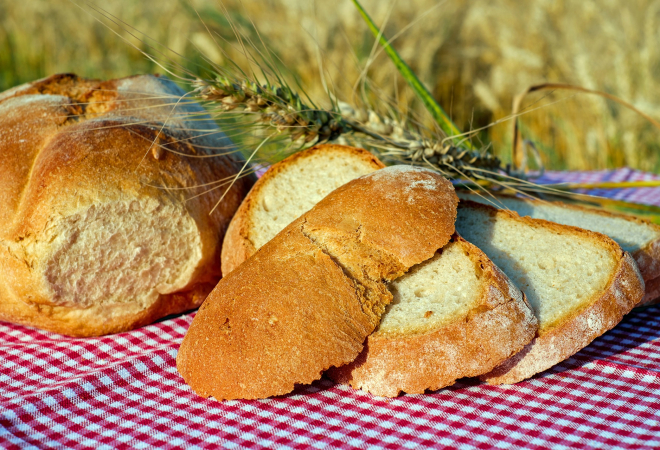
(100, 227)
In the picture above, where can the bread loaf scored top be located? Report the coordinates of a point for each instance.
(97, 231)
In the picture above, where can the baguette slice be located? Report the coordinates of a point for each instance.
(456, 315)
(579, 283)
(286, 191)
(637, 236)
(308, 298)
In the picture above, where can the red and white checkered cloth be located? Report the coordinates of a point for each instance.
(123, 391)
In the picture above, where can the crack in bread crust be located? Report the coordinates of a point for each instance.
(368, 267)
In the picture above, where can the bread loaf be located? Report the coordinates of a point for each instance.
(579, 283)
(637, 236)
(286, 191)
(99, 232)
(308, 298)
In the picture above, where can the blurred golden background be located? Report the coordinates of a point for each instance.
(474, 56)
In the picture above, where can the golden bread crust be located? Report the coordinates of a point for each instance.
(494, 330)
(237, 246)
(265, 327)
(302, 304)
(70, 144)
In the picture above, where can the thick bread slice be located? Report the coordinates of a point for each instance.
(286, 191)
(309, 297)
(579, 283)
(637, 236)
(455, 315)
(92, 241)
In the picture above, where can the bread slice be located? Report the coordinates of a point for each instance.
(636, 236)
(286, 191)
(309, 297)
(456, 315)
(579, 283)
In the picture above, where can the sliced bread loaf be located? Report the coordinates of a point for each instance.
(101, 227)
(456, 315)
(286, 191)
(579, 283)
(637, 236)
(453, 316)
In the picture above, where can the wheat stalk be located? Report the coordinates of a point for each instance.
(281, 109)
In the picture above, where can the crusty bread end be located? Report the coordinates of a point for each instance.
(309, 297)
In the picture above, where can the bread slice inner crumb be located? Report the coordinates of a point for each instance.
(559, 271)
(631, 235)
(433, 294)
(300, 186)
(120, 252)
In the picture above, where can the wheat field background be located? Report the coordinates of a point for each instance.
(474, 56)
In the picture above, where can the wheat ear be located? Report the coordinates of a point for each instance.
(280, 108)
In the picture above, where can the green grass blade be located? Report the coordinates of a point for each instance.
(406, 72)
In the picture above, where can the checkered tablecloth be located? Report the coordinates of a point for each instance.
(123, 391)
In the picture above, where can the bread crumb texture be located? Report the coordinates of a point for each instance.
(446, 286)
(637, 236)
(559, 271)
(301, 183)
(120, 252)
